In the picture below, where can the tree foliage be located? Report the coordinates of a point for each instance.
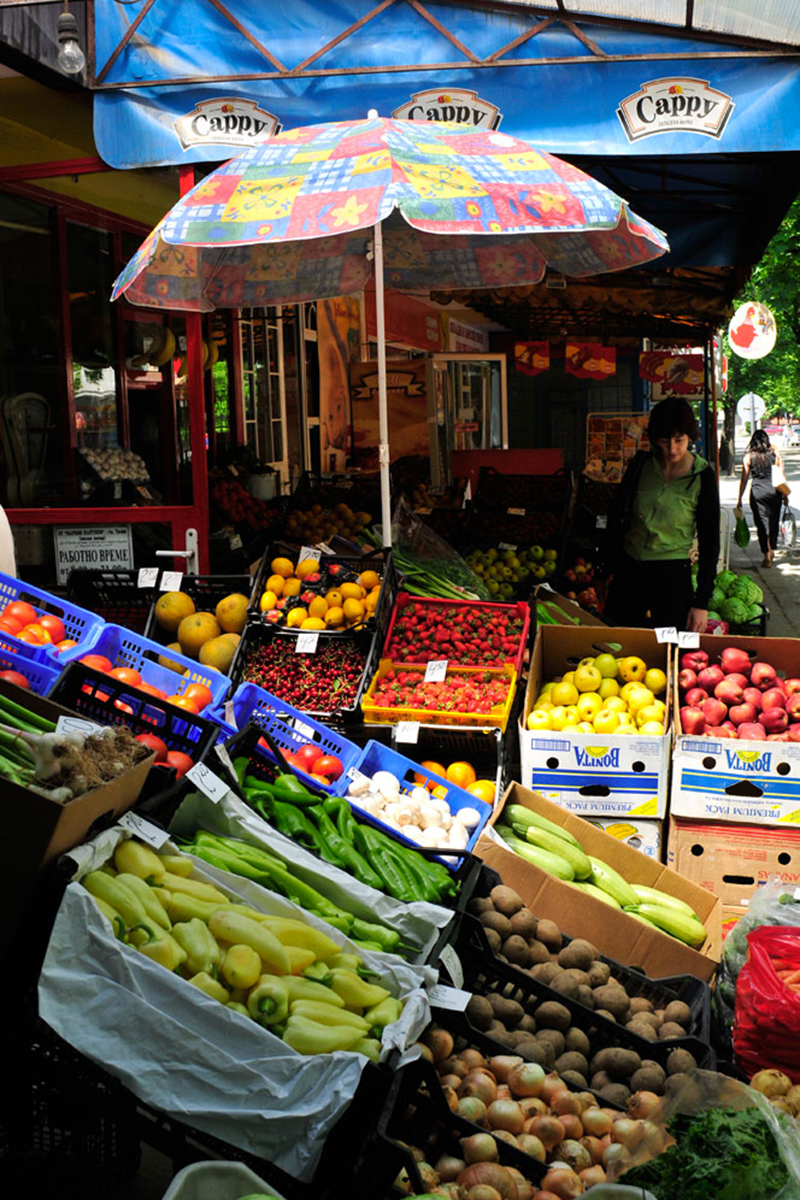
(776, 283)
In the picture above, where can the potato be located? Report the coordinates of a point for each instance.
(580, 977)
(599, 974)
(643, 1030)
(644, 1018)
(565, 984)
(621, 1063)
(579, 954)
(678, 1012)
(524, 923)
(545, 972)
(549, 933)
(480, 1012)
(613, 998)
(496, 921)
(527, 1024)
(480, 904)
(649, 1078)
(538, 954)
(680, 1061)
(503, 1038)
(536, 1052)
(603, 1012)
(515, 950)
(554, 1038)
(507, 1011)
(616, 1093)
(572, 1060)
(497, 1025)
(585, 995)
(494, 940)
(552, 1015)
(506, 900)
(599, 1080)
(640, 1004)
(574, 1079)
(576, 1039)
(671, 1029)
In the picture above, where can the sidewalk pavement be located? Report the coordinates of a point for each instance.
(780, 582)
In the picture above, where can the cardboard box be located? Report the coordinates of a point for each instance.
(591, 774)
(614, 932)
(733, 861)
(582, 617)
(731, 780)
(644, 836)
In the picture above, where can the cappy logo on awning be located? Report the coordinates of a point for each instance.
(226, 121)
(452, 104)
(675, 105)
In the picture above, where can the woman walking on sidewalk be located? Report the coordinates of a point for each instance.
(765, 500)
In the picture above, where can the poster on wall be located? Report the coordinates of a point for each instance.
(673, 373)
(531, 358)
(590, 360)
(612, 439)
(407, 404)
(337, 346)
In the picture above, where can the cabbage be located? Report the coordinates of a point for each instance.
(713, 616)
(744, 589)
(717, 598)
(734, 611)
(724, 580)
(755, 612)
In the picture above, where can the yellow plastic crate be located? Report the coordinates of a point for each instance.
(375, 715)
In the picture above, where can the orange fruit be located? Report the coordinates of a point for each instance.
(435, 769)
(231, 613)
(218, 653)
(233, 638)
(171, 608)
(164, 661)
(462, 774)
(370, 579)
(199, 693)
(484, 789)
(195, 631)
(309, 566)
(282, 566)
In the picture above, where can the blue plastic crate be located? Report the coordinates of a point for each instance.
(127, 649)
(41, 676)
(289, 727)
(377, 757)
(79, 623)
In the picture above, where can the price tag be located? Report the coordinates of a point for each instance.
(307, 552)
(355, 776)
(143, 491)
(235, 542)
(506, 546)
(442, 996)
(666, 633)
(118, 490)
(225, 759)
(171, 581)
(407, 731)
(208, 782)
(688, 641)
(516, 512)
(66, 725)
(423, 512)
(436, 670)
(601, 523)
(148, 577)
(452, 963)
(230, 715)
(144, 830)
(306, 731)
(307, 642)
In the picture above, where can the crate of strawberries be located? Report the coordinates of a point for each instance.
(469, 696)
(467, 633)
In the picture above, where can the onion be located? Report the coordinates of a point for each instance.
(478, 1083)
(440, 1042)
(616, 1158)
(492, 1175)
(473, 1059)
(552, 1084)
(479, 1148)
(573, 1154)
(530, 1144)
(449, 1168)
(453, 1081)
(450, 1190)
(565, 1102)
(524, 1186)
(595, 1148)
(563, 1183)
(548, 1130)
(482, 1191)
(454, 1065)
(507, 1115)
(626, 1132)
(771, 1083)
(472, 1108)
(502, 1065)
(532, 1106)
(642, 1104)
(451, 1097)
(526, 1080)
(573, 1126)
(425, 1051)
(596, 1122)
(503, 1135)
(503, 1092)
(592, 1175)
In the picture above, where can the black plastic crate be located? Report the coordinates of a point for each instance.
(113, 595)
(485, 749)
(379, 560)
(535, 493)
(205, 591)
(591, 509)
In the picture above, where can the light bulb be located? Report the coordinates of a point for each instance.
(71, 58)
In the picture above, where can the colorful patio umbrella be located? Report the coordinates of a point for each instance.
(302, 216)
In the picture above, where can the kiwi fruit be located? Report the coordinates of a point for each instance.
(506, 900)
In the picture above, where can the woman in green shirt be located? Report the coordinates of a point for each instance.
(667, 497)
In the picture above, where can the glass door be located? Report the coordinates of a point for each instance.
(263, 387)
(467, 407)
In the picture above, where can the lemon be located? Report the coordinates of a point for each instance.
(292, 587)
(351, 591)
(318, 607)
(275, 584)
(312, 623)
(370, 579)
(334, 617)
(353, 610)
(267, 601)
(309, 566)
(371, 602)
(282, 566)
(296, 617)
(335, 598)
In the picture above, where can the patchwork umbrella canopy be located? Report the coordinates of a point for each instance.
(301, 217)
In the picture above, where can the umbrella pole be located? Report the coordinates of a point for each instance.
(383, 410)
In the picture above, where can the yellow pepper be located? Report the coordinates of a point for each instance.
(268, 1002)
(184, 908)
(231, 927)
(299, 959)
(121, 898)
(177, 864)
(305, 989)
(328, 1014)
(138, 859)
(309, 1037)
(149, 897)
(111, 914)
(385, 1013)
(206, 984)
(241, 966)
(354, 990)
(239, 995)
(238, 1007)
(157, 944)
(199, 944)
(350, 962)
(297, 933)
(371, 1047)
(193, 887)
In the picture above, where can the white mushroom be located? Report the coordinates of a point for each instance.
(421, 795)
(386, 782)
(458, 836)
(359, 786)
(432, 837)
(413, 832)
(430, 817)
(469, 817)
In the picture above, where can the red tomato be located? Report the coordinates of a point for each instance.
(200, 694)
(308, 755)
(329, 765)
(15, 678)
(97, 662)
(180, 761)
(153, 691)
(19, 610)
(40, 633)
(126, 675)
(32, 639)
(154, 743)
(184, 702)
(294, 761)
(9, 625)
(67, 644)
(321, 779)
(54, 626)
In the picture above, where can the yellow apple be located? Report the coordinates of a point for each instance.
(564, 693)
(617, 704)
(632, 669)
(609, 687)
(589, 705)
(648, 713)
(627, 729)
(543, 705)
(585, 727)
(588, 678)
(656, 680)
(558, 717)
(546, 687)
(640, 699)
(569, 677)
(569, 727)
(606, 721)
(606, 665)
(652, 729)
(539, 720)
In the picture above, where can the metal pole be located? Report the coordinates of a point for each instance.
(383, 413)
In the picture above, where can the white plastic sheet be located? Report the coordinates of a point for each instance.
(184, 1053)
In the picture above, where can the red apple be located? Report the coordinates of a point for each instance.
(737, 677)
(695, 697)
(752, 731)
(792, 686)
(693, 721)
(773, 698)
(793, 706)
(793, 733)
(728, 724)
(729, 691)
(777, 737)
(775, 720)
(719, 731)
(709, 677)
(753, 696)
(687, 679)
(742, 714)
(714, 711)
(763, 675)
(735, 661)
(695, 660)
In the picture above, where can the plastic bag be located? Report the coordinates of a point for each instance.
(766, 1031)
(419, 549)
(741, 534)
(704, 1090)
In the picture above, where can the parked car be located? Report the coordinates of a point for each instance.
(793, 437)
